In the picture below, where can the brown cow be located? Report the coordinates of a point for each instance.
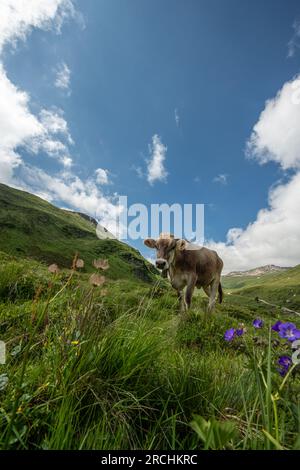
(188, 265)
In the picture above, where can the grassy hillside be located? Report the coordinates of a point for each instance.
(116, 367)
(282, 288)
(31, 227)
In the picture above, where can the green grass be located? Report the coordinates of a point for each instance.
(125, 370)
(279, 288)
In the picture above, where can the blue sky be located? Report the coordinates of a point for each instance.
(130, 67)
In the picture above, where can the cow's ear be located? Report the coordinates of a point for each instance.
(181, 245)
(150, 242)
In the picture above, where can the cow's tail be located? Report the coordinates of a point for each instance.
(220, 290)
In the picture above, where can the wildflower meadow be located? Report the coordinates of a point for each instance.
(95, 363)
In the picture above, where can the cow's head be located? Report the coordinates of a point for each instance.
(166, 248)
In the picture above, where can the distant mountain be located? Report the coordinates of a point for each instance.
(33, 228)
(277, 285)
(269, 268)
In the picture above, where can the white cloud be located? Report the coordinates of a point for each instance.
(177, 117)
(156, 169)
(17, 125)
(276, 135)
(274, 237)
(102, 176)
(84, 195)
(19, 17)
(63, 77)
(66, 161)
(54, 137)
(221, 178)
(9, 161)
(138, 170)
(45, 131)
(54, 123)
(294, 43)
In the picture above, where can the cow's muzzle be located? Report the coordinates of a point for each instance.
(161, 263)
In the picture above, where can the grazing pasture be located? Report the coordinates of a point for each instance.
(113, 365)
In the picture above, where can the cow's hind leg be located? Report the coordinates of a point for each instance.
(213, 292)
(207, 291)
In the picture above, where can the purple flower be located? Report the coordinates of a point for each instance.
(276, 326)
(240, 331)
(282, 371)
(229, 334)
(289, 331)
(258, 323)
(285, 362)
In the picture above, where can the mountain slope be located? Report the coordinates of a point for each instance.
(280, 287)
(31, 227)
(261, 271)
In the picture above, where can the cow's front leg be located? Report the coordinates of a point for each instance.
(182, 303)
(189, 290)
(179, 283)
